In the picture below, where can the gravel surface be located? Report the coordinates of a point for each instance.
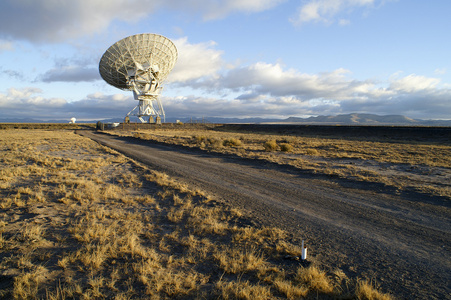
(402, 242)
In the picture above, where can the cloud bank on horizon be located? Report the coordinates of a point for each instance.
(237, 58)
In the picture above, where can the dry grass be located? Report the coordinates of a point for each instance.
(243, 290)
(235, 260)
(315, 279)
(290, 290)
(81, 221)
(403, 165)
(367, 291)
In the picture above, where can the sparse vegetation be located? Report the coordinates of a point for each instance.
(79, 220)
(270, 145)
(311, 152)
(285, 147)
(232, 142)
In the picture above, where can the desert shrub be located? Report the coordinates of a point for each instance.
(270, 146)
(312, 152)
(231, 142)
(286, 147)
(215, 143)
(199, 138)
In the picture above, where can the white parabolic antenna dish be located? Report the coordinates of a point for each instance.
(140, 63)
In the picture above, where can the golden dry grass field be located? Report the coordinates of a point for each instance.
(404, 165)
(81, 221)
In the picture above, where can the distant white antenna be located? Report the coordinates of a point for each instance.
(72, 120)
(140, 63)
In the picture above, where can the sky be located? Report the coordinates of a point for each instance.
(236, 58)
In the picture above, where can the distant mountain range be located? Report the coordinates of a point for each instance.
(346, 119)
(367, 119)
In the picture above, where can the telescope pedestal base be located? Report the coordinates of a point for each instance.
(147, 108)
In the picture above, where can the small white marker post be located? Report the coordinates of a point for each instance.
(304, 251)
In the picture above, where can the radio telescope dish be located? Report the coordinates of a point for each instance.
(140, 63)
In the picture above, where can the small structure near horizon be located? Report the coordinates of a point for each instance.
(72, 121)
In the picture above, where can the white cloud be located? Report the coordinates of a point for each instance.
(27, 103)
(272, 79)
(264, 89)
(412, 95)
(21, 94)
(52, 21)
(325, 11)
(440, 71)
(6, 45)
(344, 22)
(49, 20)
(195, 61)
(258, 90)
(261, 106)
(414, 83)
(195, 106)
(220, 9)
(70, 74)
(101, 106)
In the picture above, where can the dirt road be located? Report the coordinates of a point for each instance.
(403, 242)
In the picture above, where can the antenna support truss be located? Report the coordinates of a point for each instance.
(143, 81)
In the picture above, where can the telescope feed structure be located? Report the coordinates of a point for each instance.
(140, 63)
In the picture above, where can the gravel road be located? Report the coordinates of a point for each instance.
(403, 242)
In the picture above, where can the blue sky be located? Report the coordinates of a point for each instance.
(237, 58)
